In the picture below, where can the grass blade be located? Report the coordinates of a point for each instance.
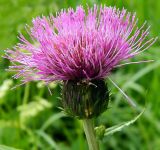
(119, 127)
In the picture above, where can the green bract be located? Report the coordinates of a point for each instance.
(85, 99)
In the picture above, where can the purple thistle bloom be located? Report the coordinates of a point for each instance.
(78, 45)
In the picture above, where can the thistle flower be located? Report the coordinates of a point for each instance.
(79, 48)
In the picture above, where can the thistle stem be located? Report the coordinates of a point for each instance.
(90, 134)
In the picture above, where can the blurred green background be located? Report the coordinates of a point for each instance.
(29, 115)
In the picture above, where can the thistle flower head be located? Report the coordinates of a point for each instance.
(79, 48)
(78, 45)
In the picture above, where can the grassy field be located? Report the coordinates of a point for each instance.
(29, 115)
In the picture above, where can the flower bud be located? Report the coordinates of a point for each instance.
(100, 131)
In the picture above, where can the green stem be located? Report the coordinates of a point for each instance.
(90, 134)
(26, 94)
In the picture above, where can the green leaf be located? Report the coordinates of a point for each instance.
(119, 127)
(52, 119)
(3, 147)
(48, 139)
(136, 77)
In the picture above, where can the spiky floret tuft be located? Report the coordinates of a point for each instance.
(78, 45)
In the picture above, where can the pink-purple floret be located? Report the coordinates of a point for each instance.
(78, 45)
